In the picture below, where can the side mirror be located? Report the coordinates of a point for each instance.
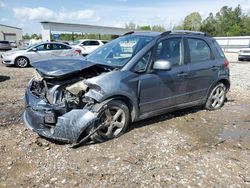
(34, 49)
(163, 65)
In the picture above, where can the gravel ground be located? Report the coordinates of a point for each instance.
(188, 148)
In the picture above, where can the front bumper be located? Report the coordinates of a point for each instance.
(68, 126)
(7, 60)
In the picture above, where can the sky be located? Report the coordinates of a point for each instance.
(27, 14)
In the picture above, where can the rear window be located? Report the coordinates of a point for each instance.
(217, 46)
(199, 50)
(4, 42)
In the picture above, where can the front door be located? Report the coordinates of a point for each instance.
(43, 51)
(165, 89)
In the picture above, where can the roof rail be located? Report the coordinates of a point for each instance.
(166, 33)
(189, 32)
(128, 33)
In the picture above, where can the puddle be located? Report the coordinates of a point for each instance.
(5, 113)
(234, 134)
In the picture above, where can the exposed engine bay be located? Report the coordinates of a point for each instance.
(68, 90)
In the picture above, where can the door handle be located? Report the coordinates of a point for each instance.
(182, 74)
(214, 68)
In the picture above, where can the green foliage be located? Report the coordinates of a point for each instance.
(192, 22)
(226, 22)
(145, 28)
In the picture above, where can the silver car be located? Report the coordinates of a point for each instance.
(46, 50)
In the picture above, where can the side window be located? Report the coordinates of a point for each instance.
(170, 50)
(94, 43)
(44, 47)
(199, 51)
(60, 47)
(142, 64)
(86, 43)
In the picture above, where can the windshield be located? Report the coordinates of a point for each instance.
(118, 52)
(76, 42)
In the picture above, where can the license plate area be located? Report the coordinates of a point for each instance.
(50, 117)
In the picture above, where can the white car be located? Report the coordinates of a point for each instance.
(244, 54)
(46, 50)
(88, 45)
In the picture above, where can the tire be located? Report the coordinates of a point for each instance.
(22, 62)
(240, 59)
(116, 115)
(217, 97)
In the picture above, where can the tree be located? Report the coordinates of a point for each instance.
(193, 21)
(209, 25)
(26, 37)
(130, 25)
(145, 28)
(158, 28)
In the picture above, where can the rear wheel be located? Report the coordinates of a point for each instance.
(216, 97)
(240, 59)
(115, 117)
(22, 62)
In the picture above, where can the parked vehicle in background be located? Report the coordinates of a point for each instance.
(26, 56)
(88, 45)
(244, 54)
(13, 44)
(133, 77)
(5, 45)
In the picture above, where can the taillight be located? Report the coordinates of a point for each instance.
(226, 63)
(78, 51)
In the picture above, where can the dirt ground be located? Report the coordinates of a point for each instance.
(188, 148)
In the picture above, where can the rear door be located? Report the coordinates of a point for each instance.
(61, 50)
(203, 68)
(94, 44)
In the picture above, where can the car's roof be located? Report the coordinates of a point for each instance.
(88, 39)
(170, 33)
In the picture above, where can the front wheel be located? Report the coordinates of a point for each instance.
(115, 117)
(216, 97)
(22, 62)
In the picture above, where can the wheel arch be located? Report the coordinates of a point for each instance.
(130, 104)
(225, 81)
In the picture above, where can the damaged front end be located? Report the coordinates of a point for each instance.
(56, 105)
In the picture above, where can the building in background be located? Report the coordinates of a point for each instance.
(10, 33)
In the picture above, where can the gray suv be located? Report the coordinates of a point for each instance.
(134, 77)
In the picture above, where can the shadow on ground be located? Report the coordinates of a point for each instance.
(4, 78)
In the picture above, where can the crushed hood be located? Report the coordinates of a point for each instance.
(61, 67)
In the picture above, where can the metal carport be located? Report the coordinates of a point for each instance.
(48, 27)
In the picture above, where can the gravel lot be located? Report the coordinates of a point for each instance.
(188, 148)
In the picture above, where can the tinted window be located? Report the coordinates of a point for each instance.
(199, 50)
(141, 66)
(4, 42)
(60, 47)
(170, 50)
(86, 43)
(44, 47)
(94, 43)
(217, 46)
